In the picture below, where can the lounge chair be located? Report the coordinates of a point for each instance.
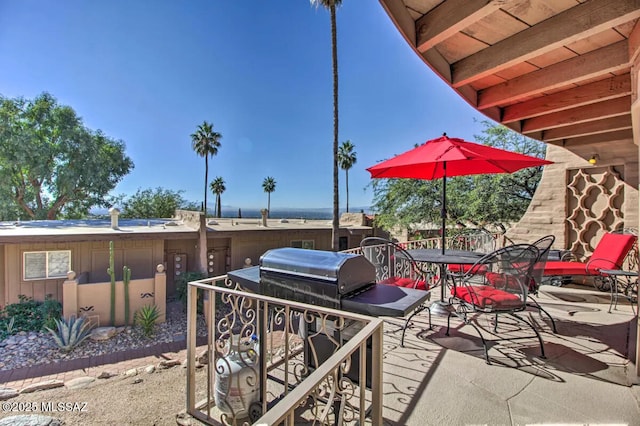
(608, 254)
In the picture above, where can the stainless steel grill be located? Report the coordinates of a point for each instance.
(321, 278)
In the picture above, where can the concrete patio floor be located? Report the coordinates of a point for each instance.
(586, 378)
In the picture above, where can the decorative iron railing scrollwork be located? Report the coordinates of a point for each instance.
(266, 350)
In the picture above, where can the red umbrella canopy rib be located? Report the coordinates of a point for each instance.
(461, 158)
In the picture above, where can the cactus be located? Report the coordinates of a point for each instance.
(126, 277)
(112, 273)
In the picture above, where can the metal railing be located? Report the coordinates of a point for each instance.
(481, 241)
(307, 364)
(287, 373)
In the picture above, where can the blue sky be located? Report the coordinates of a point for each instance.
(149, 73)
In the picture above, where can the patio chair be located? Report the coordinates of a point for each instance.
(501, 289)
(477, 240)
(544, 246)
(610, 253)
(395, 266)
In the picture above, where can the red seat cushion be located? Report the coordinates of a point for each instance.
(405, 282)
(503, 281)
(566, 268)
(611, 251)
(608, 254)
(487, 297)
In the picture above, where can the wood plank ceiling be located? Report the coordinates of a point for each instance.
(555, 70)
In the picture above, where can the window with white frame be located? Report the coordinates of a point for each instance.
(38, 265)
(305, 244)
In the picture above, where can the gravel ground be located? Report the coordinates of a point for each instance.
(149, 398)
(146, 399)
(33, 348)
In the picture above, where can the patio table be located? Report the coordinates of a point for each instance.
(449, 257)
(615, 275)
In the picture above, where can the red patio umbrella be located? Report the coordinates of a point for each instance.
(445, 156)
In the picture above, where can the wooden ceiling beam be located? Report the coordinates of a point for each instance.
(617, 136)
(437, 63)
(449, 18)
(398, 13)
(611, 108)
(634, 42)
(576, 23)
(609, 88)
(609, 59)
(606, 125)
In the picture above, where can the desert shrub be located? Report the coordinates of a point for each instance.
(69, 334)
(182, 288)
(7, 327)
(30, 315)
(51, 311)
(145, 318)
(26, 315)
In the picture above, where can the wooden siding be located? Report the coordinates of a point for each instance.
(91, 257)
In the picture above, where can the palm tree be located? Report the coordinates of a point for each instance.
(205, 142)
(269, 185)
(331, 5)
(346, 159)
(217, 187)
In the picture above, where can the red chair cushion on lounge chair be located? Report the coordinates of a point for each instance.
(608, 254)
(486, 296)
(611, 251)
(405, 282)
(566, 268)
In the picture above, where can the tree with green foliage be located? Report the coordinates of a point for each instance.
(51, 165)
(347, 157)
(217, 187)
(269, 186)
(485, 198)
(205, 142)
(335, 223)
(152, 203)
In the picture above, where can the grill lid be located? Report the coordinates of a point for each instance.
(348, 271)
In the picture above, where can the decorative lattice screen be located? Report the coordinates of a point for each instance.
(595, 201)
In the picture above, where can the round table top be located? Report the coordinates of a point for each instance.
(461, 257)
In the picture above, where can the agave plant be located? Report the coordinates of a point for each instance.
(146, 318)
(10, 326)
(70, 333)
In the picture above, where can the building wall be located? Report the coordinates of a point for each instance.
(252, 244)
(180, 257)
(91, 257)
(218, 256)
(604, 197)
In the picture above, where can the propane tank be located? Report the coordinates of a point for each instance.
(237, 383)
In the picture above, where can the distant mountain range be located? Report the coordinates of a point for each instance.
(276, 213)
(287, 212)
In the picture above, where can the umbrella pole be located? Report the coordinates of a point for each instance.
(443, 211)
(441, 307)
